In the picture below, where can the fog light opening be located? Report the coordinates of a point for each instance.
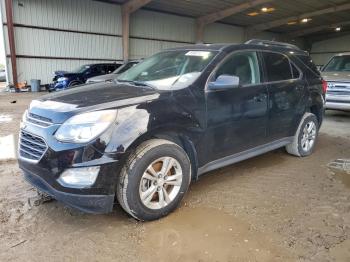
(79, 177)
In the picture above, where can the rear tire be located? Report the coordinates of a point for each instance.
(154, 180)
(305, 138)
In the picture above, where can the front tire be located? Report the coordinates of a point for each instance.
(74, 83)
(154, 180)
(305, 138)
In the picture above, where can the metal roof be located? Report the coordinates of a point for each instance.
(283, 9)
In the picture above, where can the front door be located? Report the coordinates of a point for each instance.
(236, 117)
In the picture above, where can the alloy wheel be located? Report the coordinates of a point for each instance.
(309, 136)
(160, 183)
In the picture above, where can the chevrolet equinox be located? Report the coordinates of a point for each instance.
(142, 138)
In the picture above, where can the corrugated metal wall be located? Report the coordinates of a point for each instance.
(50, 45)
(322, 51)
(43, 45)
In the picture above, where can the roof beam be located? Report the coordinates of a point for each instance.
(128, 8)
(315, 29)
(133, 5)
(213, 17)
(284, 21)
(326, 36)
(218, 15)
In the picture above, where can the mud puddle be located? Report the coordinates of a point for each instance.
(206, 234)
(341, 170)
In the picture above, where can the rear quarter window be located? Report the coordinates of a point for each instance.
(309, 64)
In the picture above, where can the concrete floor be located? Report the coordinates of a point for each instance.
(274, 207)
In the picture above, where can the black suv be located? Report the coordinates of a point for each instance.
(180, 113)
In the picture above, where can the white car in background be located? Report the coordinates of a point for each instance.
(337, 74)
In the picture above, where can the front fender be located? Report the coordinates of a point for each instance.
(138, 121)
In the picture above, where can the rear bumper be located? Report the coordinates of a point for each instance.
(87, 203)
(337, 106)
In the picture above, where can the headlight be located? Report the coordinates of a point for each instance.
(61, 79)
(85, 127)
(79, 177)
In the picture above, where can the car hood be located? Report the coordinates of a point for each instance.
(336, 76)
(64, 74)
(102, 78)
(59, 106)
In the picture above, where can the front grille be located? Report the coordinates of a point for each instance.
(38, 120)
(31, 147)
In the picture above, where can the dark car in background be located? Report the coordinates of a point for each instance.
(180, 113)
(337, 74)
(65, 79)
(2, 75)
(114, 75)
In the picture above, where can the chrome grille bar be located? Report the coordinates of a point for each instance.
(31, 147)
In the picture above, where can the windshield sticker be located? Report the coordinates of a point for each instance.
(198, 53)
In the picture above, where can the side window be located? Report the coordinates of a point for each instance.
(245, 65)
(277, 66)
(94, 70)
(102, 69)
(306, 60)
(111, 68)
(295, 71)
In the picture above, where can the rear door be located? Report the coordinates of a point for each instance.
(236, 117)
(285, 88)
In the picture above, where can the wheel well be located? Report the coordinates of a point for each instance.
(184, 142)
(317, 111)
(75, 83)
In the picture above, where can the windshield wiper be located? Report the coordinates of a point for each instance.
(136, 83)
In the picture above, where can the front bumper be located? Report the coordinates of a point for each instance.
(337, 106)
(44, 172)
(56, 86)
(338, 102)
(87, 203)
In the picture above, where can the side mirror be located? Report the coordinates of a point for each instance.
(224, 82)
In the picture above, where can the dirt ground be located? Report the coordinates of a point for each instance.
(274, 207)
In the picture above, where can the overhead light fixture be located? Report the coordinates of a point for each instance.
(262, 10)
(292, 23)
(253, 14)
(338, 29)
(305, 20)
(267, 9)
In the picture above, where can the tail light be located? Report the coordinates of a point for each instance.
(324, 86)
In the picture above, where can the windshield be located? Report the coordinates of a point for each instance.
(170, 69)
(124, 67)
(81, 69)
(338, 63)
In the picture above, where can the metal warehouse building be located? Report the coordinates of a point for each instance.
(63, 34)
(42, 36)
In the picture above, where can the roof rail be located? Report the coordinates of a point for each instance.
(271, 43)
